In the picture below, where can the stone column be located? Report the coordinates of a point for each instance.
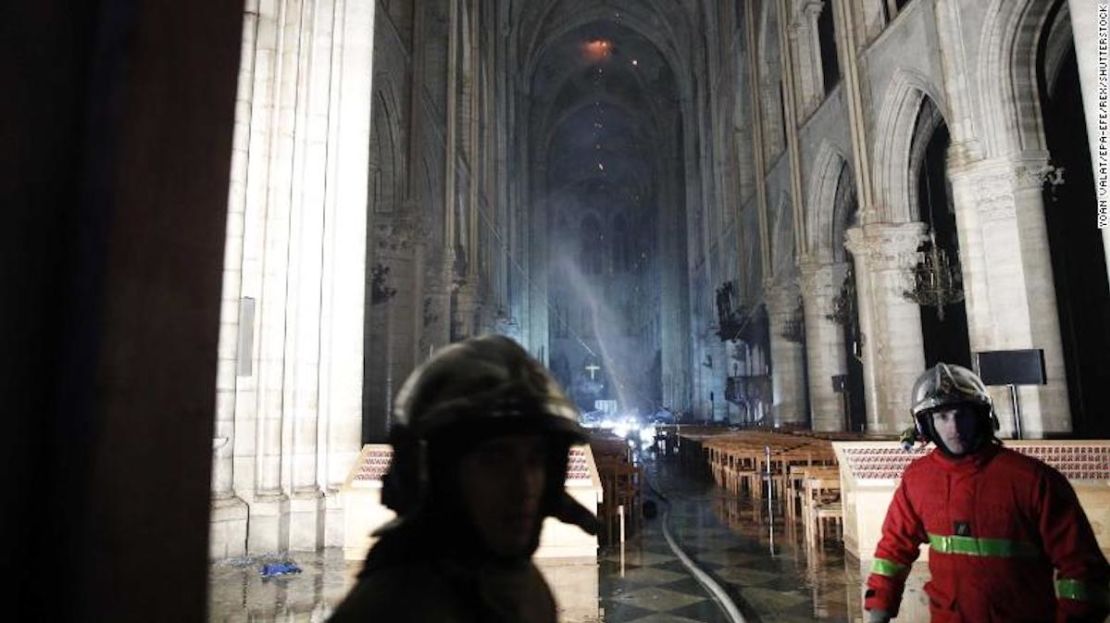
(290, 355)
(820, 284)
(344, 254)
(1008, 285)
(1086, 16)
(269, 508)
(306, 285)
(787, 358)
(379, 391)
(893, 352)
(464, 311)
(718, 378)
(396, 312)
(804, 36)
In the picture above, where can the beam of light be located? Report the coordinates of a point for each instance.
(603, 320)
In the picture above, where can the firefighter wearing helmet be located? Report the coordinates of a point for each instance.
(1008, 539)
(480, 434)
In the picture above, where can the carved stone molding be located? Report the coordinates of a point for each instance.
(1033, 172)
(821, 282)
(994, 196)
(782, 299)
(994, 183)
(400, 232)
(885, 246)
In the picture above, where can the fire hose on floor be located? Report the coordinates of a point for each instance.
(717, 592)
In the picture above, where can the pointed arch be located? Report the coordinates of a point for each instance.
(894, 134)
(929, 119)
(845, 207)
(821, 203)
(1010, 106)
(386, 165)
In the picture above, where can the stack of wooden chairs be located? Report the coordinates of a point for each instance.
(621, 484)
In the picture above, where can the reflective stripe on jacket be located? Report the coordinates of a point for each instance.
(1008, 540)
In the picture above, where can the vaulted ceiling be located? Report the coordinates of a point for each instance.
(604, 97)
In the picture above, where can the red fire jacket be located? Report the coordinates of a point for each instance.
(998, 524)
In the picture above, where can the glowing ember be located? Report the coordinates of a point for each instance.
(597, 49)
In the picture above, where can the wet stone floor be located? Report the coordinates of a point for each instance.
(760, 560)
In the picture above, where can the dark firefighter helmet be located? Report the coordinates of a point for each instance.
(466, 393)
(949, 385)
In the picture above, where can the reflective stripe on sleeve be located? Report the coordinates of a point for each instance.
(1082, 591)
(971, 546)
(889, 568)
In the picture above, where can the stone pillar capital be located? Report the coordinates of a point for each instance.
(399, 233)
(821, 279)
(886, 246)
(992, 183)
(781, 298)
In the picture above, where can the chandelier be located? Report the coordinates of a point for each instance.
(844, 304)
(844, 313)
(936, 279)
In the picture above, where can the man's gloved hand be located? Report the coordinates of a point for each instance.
(877, 616)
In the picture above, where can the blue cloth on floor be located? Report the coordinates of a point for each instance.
(279, 568)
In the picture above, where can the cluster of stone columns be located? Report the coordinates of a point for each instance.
(289, 387)
(893, 350)
(997, 180)
(1008, 282)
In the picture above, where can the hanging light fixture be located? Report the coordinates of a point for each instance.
(844, 312)
(937, 280)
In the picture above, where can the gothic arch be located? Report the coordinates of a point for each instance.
(1010, 111)
(648, 19)
(1058, 42)
(928, 120)
(844, 213)
(386, 166)
(821, 204)
(894, 133)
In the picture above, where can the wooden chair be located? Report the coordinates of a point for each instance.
(831, 511)
(819, 491)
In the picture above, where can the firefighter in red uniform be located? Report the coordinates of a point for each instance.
(1009, 541)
